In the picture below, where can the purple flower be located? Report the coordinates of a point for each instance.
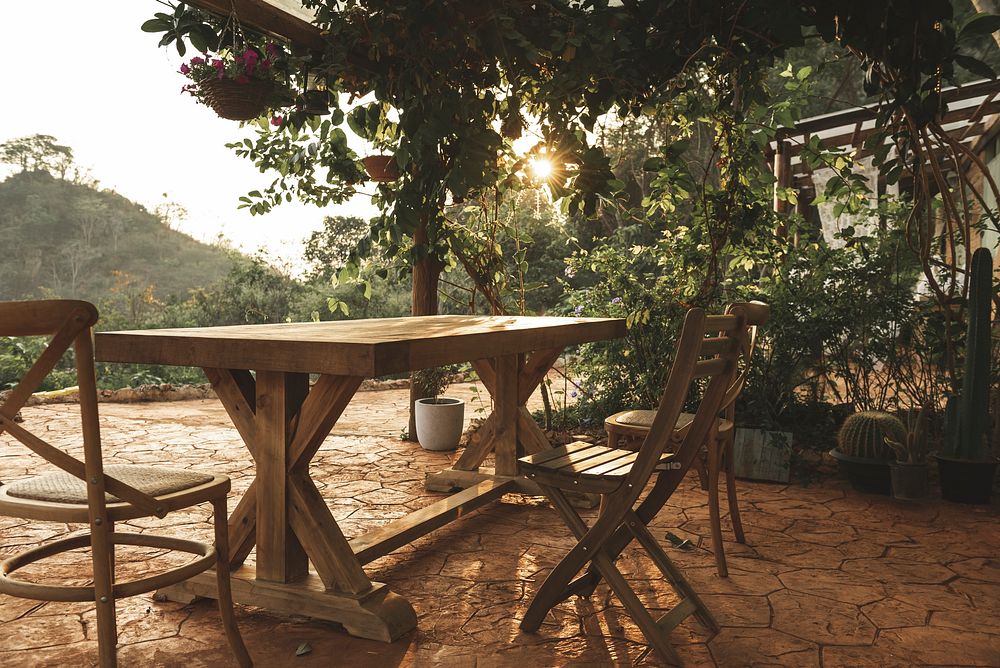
(197, 60)
(573, 393)
(184, 68)
(616, 300)
(276, 120)
(578, 310)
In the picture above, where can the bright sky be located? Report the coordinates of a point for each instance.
(84, 73)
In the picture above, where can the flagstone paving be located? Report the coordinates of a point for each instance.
(828, 577)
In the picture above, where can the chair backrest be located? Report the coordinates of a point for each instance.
(757, 315)
(70, 324)
(719, 339)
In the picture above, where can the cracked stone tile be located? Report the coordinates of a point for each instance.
(931, 645)
(978, 569)
(832, 584)
(890, 613)
(762, 647)
(820, 620)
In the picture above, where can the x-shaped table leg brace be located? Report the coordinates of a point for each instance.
(283, 424)
(509, 431)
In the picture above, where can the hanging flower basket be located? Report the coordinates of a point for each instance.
(381, 168)
(237, 101)
(239, 85)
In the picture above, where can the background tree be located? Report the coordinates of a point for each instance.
(328, 249)
(37, 153)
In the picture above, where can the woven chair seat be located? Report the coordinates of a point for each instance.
(61, 487)
(644, 419)
(637, 418)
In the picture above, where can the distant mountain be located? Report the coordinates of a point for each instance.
(69, 240)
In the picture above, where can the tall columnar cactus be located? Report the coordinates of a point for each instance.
(865, 434)
(973, 421)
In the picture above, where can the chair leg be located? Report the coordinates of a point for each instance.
(670, 572)
(107, 629)
(612, 437)
(220, 520)
(713, 509)
(656, 636)
(663, 487)
(111, 551)
(734, 506)
(702, 468)
(554, 589)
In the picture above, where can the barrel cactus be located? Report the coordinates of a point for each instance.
(865, 434)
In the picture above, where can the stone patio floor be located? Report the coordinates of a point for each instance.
(827, 577)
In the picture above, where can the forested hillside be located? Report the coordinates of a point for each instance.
(69, 240)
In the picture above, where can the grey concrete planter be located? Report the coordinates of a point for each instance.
(439, 422)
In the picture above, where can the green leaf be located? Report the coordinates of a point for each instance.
(980, 24)
(154, 25)
(976, 66)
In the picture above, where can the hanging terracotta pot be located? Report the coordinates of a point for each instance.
(381, 168)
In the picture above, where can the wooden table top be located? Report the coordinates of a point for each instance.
(353, 347)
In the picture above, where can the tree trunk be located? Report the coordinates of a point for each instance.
(426, 273)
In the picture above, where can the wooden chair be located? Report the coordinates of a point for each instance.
(718, 454)
(621, 476)
(87, 492)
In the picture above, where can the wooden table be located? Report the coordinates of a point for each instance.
(283, 421)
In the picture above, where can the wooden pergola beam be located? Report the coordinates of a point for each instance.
(855, 137)
(869, 112)
(287, 19)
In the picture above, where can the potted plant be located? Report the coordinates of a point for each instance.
(909, 472)
(238, 84)
(862, 453)
(439, 419)
(381, 168)
(967, 465)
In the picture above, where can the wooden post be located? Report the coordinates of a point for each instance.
(782, 172)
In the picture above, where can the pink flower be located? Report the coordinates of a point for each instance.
(218, 64)
(272, 49)
(265, 64)
(276, 121)
(242, 79)
(197, 60)
(250, 56)
(184, 68)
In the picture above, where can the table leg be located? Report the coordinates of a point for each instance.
(505, 414)
(280, 555)
(284, 423)
(509, 432)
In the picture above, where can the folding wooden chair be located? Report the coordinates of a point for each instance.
(86, 492)
(620, 476)
(718, 454)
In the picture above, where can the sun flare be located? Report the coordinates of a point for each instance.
(541, 168)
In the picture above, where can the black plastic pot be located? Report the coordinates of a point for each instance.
(866, 475)
(965, 481)
(909, 481)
